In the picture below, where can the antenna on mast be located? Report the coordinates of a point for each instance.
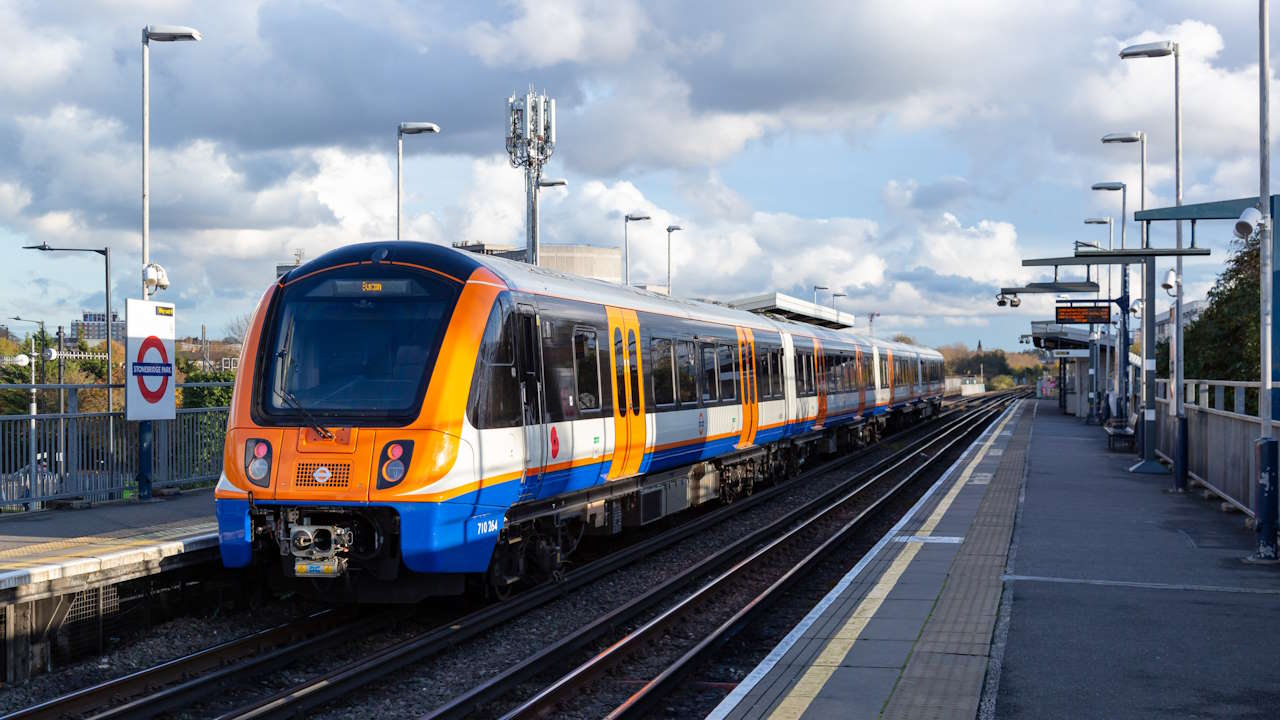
(531, 139)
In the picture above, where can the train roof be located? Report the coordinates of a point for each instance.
(542, 281)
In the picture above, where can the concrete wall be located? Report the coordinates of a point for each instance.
(601, 263)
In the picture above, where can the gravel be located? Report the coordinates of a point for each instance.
(438, 679)
(159, 643)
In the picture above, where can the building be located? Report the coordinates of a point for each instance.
(793, 308)
(92, 328)
(601, 263)
(1190, 311)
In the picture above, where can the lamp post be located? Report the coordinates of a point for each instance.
(535, 232)
(43, 346)
(1177, 408)
(833, 303)
(1115, 381)
(626, 246)
(871, 322)
(407, 128)
(816, 288)
(1122, 349)
(105, 252)
(150, 33)
(152, 276)
(670, 229)
(1267, 507)
(31, 429)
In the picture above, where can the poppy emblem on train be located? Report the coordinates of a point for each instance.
(322, 475)
(555, 443)
(702, 423)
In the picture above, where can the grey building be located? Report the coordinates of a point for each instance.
(1190, 311)
(92, 327)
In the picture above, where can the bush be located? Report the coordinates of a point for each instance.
(1001, 382)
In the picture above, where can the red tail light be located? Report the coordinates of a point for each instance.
(257, 461)
(394, 463)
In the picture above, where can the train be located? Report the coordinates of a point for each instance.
(412, 420)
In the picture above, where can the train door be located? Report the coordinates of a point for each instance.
(820, 382)
(529, 368)
(629, 422)
(748, 388)
(860, 379)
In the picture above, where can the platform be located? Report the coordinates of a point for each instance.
(1037, 579)
(56, 552)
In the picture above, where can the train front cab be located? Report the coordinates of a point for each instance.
(346, 446)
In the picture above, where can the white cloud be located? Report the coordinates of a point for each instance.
(547, 32)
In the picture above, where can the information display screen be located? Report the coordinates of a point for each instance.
(1083, 314)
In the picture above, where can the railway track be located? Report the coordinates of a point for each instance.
(321, 690)
(191, 679)
(759, 567)
(669, 645)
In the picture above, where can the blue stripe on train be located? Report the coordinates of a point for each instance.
(459, 535)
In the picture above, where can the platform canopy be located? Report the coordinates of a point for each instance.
(793, 308)
(1052, 288)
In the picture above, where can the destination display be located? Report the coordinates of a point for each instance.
(1083, 314)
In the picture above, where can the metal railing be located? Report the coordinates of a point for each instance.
(93, 456)
(1222, 427)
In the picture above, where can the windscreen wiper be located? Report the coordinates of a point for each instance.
(292, 401)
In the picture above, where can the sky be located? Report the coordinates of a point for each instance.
(907, 153)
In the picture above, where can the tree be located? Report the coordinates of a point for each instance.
(904, 338)
(238, 326)
(1222, 344)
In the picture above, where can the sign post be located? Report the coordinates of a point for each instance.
(149, 378)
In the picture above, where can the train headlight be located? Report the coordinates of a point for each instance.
(394, 463)
(257, 461)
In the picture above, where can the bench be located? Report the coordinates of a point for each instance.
(1119, 433)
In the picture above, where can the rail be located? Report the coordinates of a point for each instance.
(86, 455)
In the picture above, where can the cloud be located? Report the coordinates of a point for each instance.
(547, 32)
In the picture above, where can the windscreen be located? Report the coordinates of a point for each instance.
(355, 344)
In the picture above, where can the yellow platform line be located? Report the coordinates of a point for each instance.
(824, 666)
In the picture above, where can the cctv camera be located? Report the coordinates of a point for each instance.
(154, 277)
(1001, 301)
(1014, 301)
(1247, 223)
(1171, 280)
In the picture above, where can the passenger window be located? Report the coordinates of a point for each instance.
(620, 367)
(687, 372)
(728, 372)
(634, 360)
(495, 391)
(710, 377)
(586, 363)
(660, 366)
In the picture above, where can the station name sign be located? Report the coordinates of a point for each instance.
(1083, 314)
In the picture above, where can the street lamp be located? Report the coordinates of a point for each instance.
(670, 229)
(1159, 49)
(626, 246)
(816, 288)
(833, 303)
(1122, 353)
(157, 33)
(407, 128)
(43, 346)
(871, 322)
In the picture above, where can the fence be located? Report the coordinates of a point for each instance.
(74, 455)
(1222, 427)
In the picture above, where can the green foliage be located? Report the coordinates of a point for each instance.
(904, 338)
(1000, 382)
(196, 397)
(1222, 344)
(990, 363)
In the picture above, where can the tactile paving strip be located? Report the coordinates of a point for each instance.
(944, 677)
